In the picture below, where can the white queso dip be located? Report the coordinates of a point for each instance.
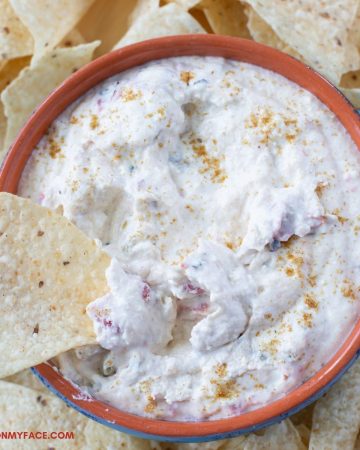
(229, 200)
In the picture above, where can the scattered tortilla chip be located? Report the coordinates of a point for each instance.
(165, 21)
(24, 409)
(15, 39)
(143, 7)
(28, 379)
(49, 22)
(49, 272)
(354, 34)
(280, 436)
(336, 419)
(263, 33)
(226, 17)
(99, 437)
(35, 82)
(319, 31)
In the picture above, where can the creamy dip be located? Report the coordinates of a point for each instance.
(229, 200)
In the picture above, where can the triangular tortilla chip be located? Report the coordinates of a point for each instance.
(49, 22)
(35, 82)
(336, 418)
(319, 31)
(49, 272)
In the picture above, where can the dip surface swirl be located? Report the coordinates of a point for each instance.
(228, 198)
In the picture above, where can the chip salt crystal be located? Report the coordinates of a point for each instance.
(50, 273)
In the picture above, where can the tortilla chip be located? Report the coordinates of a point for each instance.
(24, 409)
(99, 437)
(262, 32)
(354, 34)
(49, 272)
(49, 22)
(28, 379)
(15, 39)
(165, 21)
(336, 419)
(226, 17)
(143, 7)
(280, 436)
(11, 70)
(319, 31)
(35, 82)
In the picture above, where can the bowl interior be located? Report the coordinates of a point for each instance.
(118, 61)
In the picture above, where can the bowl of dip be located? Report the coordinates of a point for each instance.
(222, 176)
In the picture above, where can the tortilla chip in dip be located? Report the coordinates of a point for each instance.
(49, 272)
